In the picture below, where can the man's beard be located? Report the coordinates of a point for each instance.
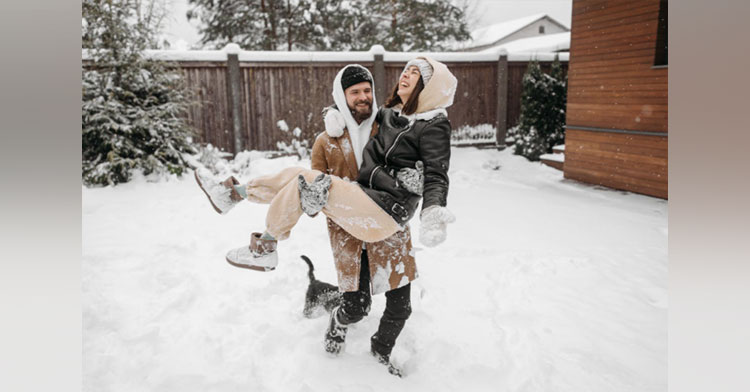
(362, 115)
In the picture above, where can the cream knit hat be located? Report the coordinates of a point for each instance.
(425, 69)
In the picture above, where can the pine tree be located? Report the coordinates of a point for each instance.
(412, 25)
(257, 24)
(558, 103)
(132, 109)
(404, 25)
(542, 120)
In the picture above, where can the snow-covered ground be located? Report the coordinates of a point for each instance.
(544, 284)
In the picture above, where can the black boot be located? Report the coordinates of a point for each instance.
(335, 334)
(386, 361)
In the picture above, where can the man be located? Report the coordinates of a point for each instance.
(363, 269)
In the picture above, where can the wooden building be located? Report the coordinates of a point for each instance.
(616, 122)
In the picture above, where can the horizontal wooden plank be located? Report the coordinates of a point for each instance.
(605, 170)
(631, 108)
(613, 31)
(626, 86)
(618, 40)
(625, 78)
(606, 7)
(638, 32)
(587, 99)
(655, 151)
(591, 21)
(618, 69)
(612, 93)
(658, 125)
(613, 62)
(616, 181)
(618, 174)
(640, 163)
(631, 121)
(647, 53)
(655, 142)
(606, 51)
(644, 172)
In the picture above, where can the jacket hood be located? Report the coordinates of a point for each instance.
(358, 133)
(340, 100)
(439, 91)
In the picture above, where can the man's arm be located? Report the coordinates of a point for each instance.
(318, 159)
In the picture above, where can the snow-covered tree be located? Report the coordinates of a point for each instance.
(257, 24)
(543, 100)
(131, 108)
(411, 25)
(402, 25)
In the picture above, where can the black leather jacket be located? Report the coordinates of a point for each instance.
(399, 144)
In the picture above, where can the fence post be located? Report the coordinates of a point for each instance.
(379, 72)
(501, 125)
(234, 92)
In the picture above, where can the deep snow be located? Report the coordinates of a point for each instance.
(544, 284)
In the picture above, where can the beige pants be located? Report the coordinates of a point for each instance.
(348, 205)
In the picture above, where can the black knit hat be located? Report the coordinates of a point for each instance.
(353, 75)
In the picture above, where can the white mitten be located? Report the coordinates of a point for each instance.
(432, 231)
(334, 122)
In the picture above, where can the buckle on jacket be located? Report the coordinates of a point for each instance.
(399, 210)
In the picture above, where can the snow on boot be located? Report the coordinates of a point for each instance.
(412, 179)
(259, 256)
(222, 195)
(313, 197)
(335, 334)
(386, 361)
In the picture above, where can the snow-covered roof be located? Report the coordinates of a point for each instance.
(543, 43)
(490, 34)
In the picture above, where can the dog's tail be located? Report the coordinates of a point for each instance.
(310, 273)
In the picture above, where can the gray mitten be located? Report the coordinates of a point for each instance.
(412, 179)
(313, 197)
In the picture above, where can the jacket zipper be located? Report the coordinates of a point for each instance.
(373, 174)
(395, 142)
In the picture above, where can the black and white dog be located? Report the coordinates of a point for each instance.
(320, 295)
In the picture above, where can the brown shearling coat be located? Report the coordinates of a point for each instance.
(391, 261)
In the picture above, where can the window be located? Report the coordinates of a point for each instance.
(660, 57)
(541, 29)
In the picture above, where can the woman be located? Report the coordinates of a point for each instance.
(407, 160)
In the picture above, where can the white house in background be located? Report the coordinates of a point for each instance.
(504, 32)
(559, 42)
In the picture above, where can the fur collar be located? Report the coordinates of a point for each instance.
(426, 116)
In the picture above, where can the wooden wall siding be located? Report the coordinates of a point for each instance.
(612, 84)
(210, 117)
(297, 92)
(635, 163)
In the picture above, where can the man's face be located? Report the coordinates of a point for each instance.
(359, 100)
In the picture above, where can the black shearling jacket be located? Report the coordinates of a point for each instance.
(399, 143)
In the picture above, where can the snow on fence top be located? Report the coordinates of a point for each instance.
(358, 56)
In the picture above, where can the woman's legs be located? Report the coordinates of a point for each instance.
(348, 205)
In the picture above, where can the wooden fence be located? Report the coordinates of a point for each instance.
(241, 96)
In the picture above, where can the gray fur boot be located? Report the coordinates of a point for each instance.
(313, 197)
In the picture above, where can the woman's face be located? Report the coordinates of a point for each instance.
(407, 82)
